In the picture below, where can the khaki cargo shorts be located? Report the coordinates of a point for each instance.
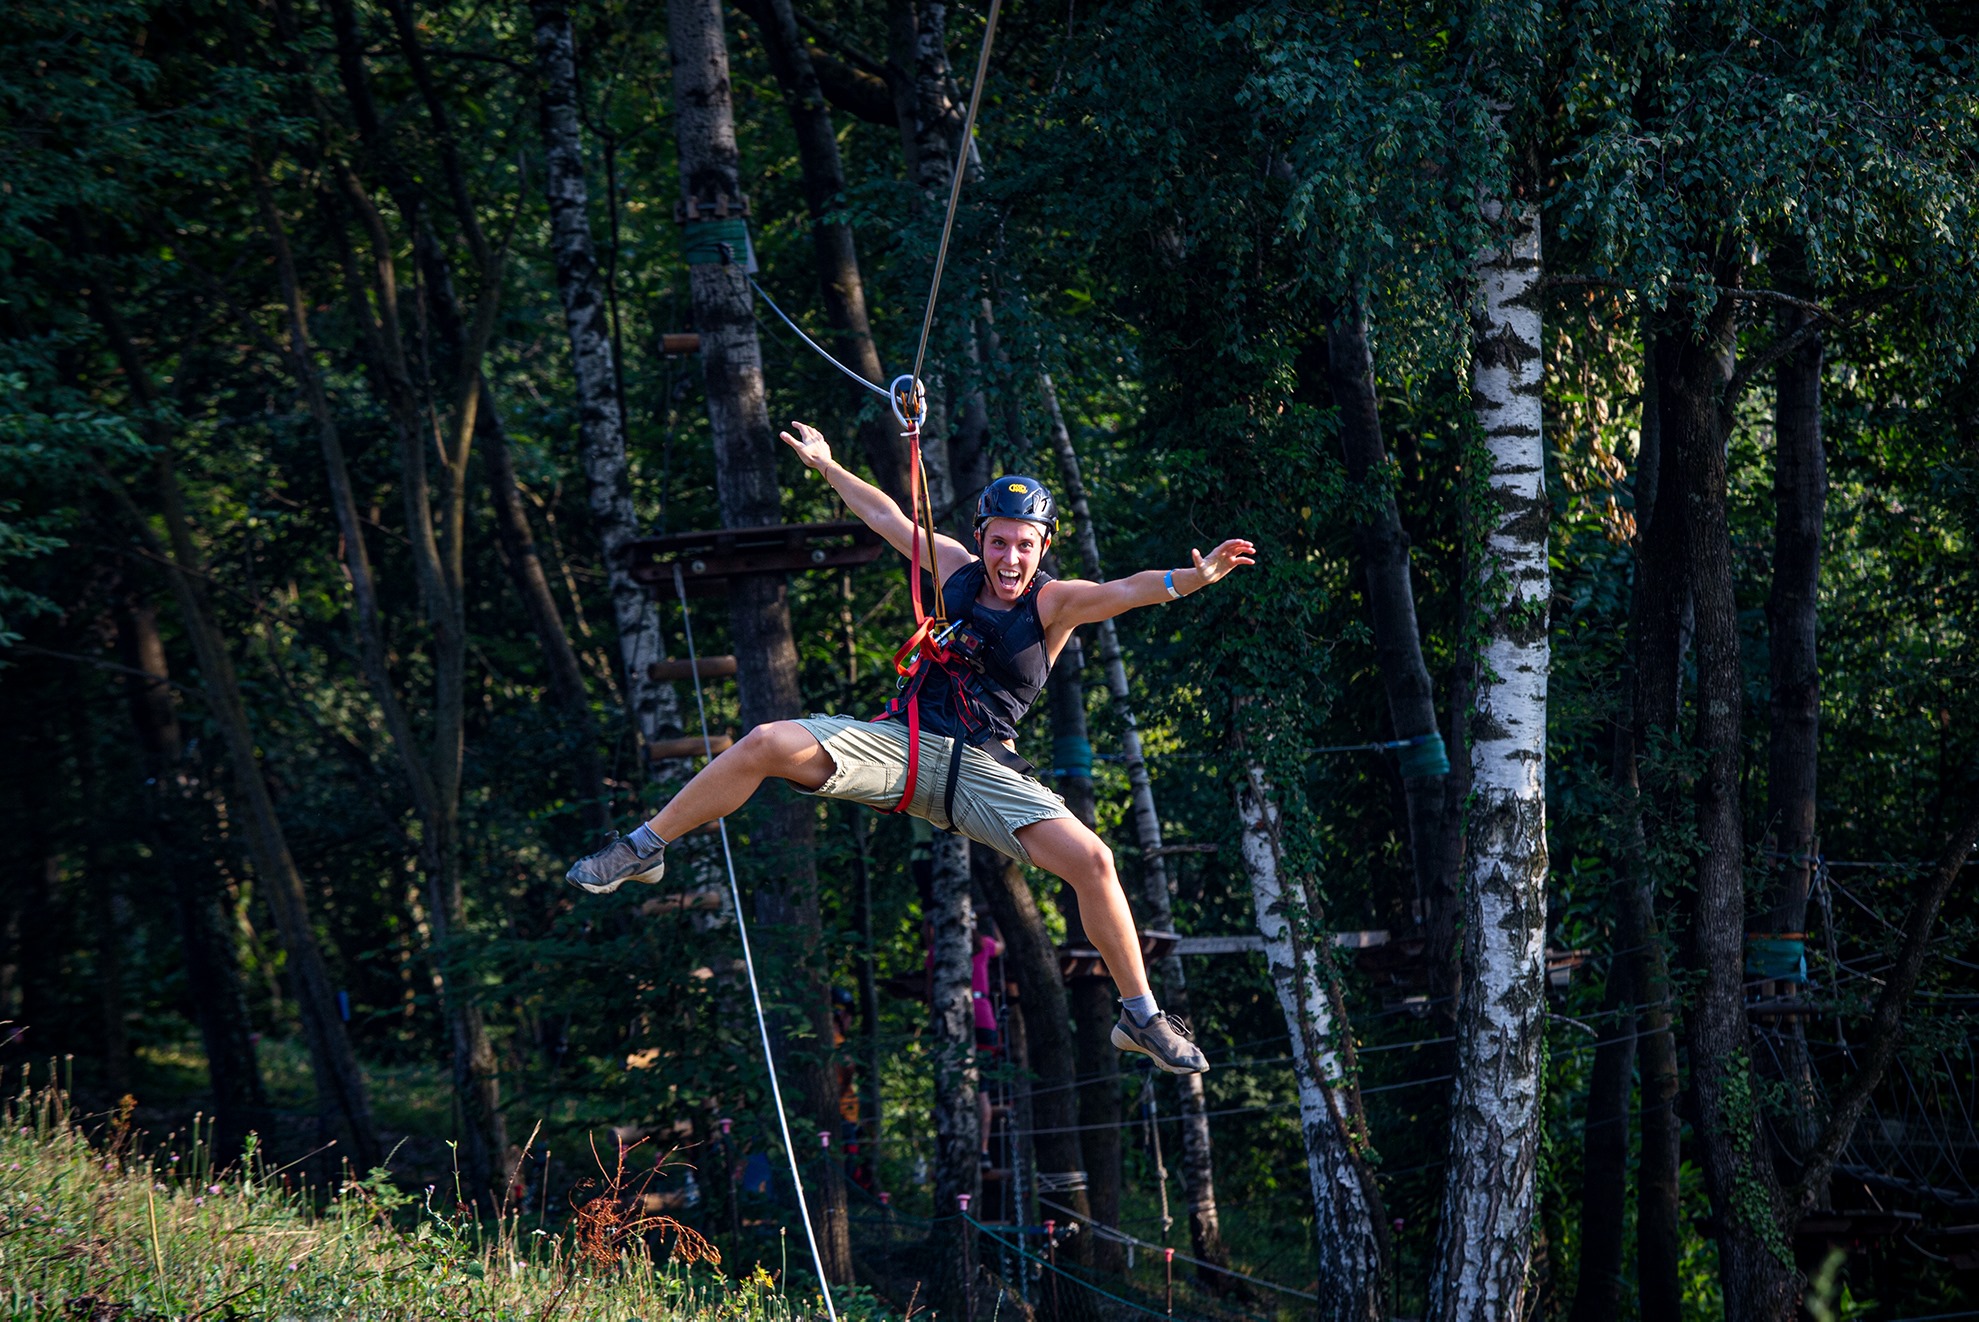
(992, 802)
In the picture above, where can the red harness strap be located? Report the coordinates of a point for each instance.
(920, 650)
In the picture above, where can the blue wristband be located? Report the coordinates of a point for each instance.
(1168, 581)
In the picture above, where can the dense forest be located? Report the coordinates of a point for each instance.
(1555, 840)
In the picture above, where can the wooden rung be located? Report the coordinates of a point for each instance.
(711, 667)
(689, 745)
(680, 342)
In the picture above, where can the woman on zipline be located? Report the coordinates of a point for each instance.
(1009, 624)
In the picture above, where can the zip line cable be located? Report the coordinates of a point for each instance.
(913, 379)
(817, 348)
(749, 962)
(955, 183)
(1120, 1236)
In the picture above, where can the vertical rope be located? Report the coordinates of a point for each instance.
(955, 183)
(749, 964)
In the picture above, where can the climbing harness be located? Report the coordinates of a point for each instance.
(749, 963)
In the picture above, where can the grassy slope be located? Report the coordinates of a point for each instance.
(105, 1232)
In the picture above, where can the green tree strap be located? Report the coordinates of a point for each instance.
(701, 242)
(1425, 755)
(1781, 958)
(1071, 755)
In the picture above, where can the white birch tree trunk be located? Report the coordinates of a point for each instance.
(1485, 1237)
(600, 424)
(1350, 1285)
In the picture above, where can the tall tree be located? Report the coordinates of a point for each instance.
(839, 279)
(600, 422)
(1351, 1281)
(759, 609)
(1793, 750)
(1090, 997)
(1694, 372)
(1041, 998)
(450, 334)
(174, 801)
(340, 1084)
(1198, 1154)
(1384, 549)
(1484, 1237)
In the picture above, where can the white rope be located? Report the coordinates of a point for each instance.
(749, 963)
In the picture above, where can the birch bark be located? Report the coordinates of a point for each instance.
(1485, 1237)
(1349, 1266)
(1198, 1154)
(953, 1045)
(600, 423)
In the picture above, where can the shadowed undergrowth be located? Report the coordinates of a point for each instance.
(103, 1226)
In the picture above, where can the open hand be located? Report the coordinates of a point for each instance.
(1223, 559)
(810, 445)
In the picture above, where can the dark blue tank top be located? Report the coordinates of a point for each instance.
(984, 701)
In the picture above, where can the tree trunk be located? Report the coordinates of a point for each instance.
(1384, 547)
(539, 602)
(1350, 1286)
(112, 1038)
(1095, 1059)
(454, 344)
(1755, 1259)
(759, 610)
(174, 798)
(1800, 491)
(839, 279)
(1198, 1155)
(340, 1087)
(1033, 960)
(435, 530)
(1485, 1237)
(600, 425)
(1605, 1153)
(1654, 654)
(952, 1043)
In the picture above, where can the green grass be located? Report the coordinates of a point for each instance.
(93, 1226)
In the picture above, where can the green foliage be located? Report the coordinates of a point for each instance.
(108, 1226)
(1175, 201)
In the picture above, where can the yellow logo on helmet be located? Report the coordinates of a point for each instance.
(1017, 487)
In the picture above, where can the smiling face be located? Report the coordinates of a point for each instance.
(1011, 551)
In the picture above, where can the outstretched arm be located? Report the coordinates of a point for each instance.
(871, 506)
(1068, 603)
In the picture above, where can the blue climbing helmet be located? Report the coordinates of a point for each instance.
(1017, 497)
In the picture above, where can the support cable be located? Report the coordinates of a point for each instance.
(955, 182)
(749, 965)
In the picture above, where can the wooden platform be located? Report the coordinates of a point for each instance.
(709, 559)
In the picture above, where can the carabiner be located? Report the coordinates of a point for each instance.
(910, 400)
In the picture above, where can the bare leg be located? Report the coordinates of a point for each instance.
(1067, 848)
(783, 750)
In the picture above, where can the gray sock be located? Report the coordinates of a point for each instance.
(1141, 1008)
(643, 840)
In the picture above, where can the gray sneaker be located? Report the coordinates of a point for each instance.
(618, 862)
(1167, 1042)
